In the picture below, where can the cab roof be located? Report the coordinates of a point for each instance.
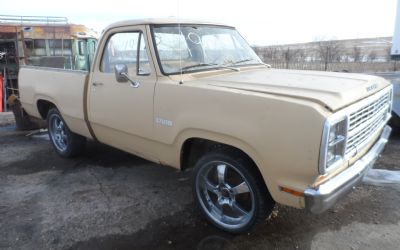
(169, 20)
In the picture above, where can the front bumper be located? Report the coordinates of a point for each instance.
(321, 199)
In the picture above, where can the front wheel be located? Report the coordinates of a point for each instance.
(65, 142)
(230, 192)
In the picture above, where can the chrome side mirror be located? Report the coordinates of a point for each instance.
(121, 73)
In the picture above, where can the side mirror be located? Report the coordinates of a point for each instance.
(121, 73)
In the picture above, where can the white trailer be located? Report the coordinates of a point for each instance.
(395, 51)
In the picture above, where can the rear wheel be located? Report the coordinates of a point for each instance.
(65, 142)
(230, 192)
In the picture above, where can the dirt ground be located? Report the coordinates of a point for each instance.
(107, 199)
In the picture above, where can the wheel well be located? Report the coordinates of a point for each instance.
(194, 148)
(44, 107)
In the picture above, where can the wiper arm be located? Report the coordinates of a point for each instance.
(228, 67)
(248, 60)
(222, 66)
(199, 65)
(210, 64)
(242, 61)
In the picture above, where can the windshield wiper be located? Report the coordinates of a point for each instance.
(247, 60)
(242, 61)
(199, 65)
(210, 64)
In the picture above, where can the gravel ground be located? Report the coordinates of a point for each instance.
(6, 118)
(107, 199)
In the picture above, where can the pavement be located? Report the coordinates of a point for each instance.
(108, 199)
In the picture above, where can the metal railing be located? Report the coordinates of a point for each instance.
(23, 20)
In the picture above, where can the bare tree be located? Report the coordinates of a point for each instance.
(388, 55)
(372, 56)
(260, 51)
(272, 53)
(325, 54)
(288, 55)
(357, 54)
(301, 55)
(329, 51)
(346, 57)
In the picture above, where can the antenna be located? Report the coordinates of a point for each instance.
(180, 48)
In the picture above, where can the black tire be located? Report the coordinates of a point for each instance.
(214, 197)
(65, 142)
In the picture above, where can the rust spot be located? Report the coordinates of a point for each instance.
(291, 191)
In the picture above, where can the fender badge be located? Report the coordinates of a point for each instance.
(164, 122)
(371, 87)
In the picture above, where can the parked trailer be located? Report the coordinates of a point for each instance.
(395, 51)
(42, 41)
(394, 78)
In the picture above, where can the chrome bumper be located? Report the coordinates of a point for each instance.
(321, 199)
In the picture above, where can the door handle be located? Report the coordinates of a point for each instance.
(97, 84)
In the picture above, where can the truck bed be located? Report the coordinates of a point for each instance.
(64, 88)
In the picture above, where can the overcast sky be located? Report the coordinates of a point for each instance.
(262, 22)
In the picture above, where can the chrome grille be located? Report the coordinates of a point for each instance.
(368, 119)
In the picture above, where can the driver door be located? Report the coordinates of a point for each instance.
(120, 113)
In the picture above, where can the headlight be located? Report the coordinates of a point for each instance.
(333, 144)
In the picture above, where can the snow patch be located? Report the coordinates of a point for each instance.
(382, 177)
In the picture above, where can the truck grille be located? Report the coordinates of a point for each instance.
(365, 121)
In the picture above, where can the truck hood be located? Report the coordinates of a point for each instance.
(332, 90)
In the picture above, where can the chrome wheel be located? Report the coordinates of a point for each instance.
(225, 195)
(58, 133)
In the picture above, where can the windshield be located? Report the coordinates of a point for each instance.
(190, 48)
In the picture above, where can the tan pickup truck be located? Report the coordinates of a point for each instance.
(194, 94)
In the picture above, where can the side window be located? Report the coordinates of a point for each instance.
(121, 48)
(39, 47)
(144, 64)
(126, 48)
(81, 47)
